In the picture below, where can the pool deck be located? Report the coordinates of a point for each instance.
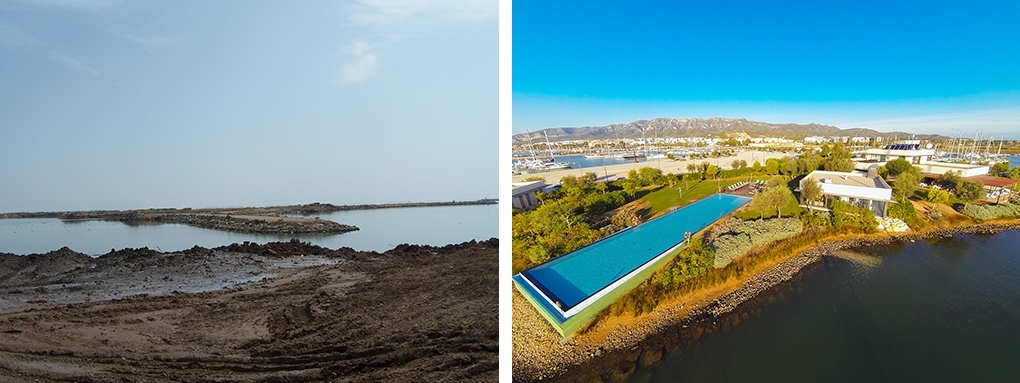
(569, 290)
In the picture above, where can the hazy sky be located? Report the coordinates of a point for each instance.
(108, 104)
(937, 66)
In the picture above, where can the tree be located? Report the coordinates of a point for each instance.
(774, 182)
(712, 171)
(787, 165)
(950, 180)
(905, 183)
(839, 165)
(970, 191)
(735, 164)
(1000, 169)
(772, 166)
(630, 187)
(938, 196)
(1014, 173)
(743, 164)
(756, 166)
(648, 176)
(810, 192)
(771, 198)
(898, 166)
(670, 156)
(691, 167)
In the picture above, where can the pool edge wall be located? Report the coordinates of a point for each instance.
(570, 325)
(585, 316)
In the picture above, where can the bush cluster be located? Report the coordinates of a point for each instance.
(750, 234)
(905, 212)
(988, 212)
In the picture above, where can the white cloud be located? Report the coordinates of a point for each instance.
(363, 66)
(12, 36)
(72, 63)
(73, 4)
(394, 12)
(146, 39)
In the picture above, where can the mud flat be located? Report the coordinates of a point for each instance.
(619, 350)
(279, 312)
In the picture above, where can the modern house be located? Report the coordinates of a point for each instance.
(863, 189)
(524, 194)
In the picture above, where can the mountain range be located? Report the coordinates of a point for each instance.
(701, 127)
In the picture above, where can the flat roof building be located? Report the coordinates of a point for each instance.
(854, 188)
(524, 194)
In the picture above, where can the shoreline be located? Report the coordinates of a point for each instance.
(616, 354)
(254, 220)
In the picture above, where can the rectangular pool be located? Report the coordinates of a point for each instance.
(567, 284)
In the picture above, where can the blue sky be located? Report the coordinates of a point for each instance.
(940, 67)
(110, 104)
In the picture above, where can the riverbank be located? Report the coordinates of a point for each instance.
(617, 348)
(282, 311)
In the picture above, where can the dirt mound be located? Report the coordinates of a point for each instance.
(414, 313)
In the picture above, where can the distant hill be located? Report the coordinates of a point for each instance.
(691, 127)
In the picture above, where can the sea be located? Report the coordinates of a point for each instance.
(380, 230)
(939, 310)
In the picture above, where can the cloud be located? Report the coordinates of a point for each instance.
(403, 12)
(73, 4)
(73, 64)
(363, 66)
(12, 36)
(146, 39)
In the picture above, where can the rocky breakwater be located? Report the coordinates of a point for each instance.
(247, 224)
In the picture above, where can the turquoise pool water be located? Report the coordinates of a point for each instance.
(574, 277)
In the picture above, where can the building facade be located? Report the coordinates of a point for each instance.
(854, 188)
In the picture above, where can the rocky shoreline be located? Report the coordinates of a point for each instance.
(626, 351)
(254, 220)
(268, 225)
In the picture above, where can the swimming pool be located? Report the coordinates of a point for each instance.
(567, 285)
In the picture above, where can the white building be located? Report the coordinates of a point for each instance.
(524, 194)
(911, 152)
(855, 188)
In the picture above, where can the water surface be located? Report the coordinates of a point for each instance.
(381, 229)
(944, 310)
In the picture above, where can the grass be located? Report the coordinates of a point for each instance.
(662, 199)
(792, 209)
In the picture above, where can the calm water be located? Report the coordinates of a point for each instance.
(939, 311)
(381, 229)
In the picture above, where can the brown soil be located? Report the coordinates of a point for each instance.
(280, 312)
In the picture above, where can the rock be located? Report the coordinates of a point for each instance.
(650, 356)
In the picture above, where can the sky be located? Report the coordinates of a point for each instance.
(111, 104)
(921, 67)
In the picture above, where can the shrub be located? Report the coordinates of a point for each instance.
(988, 212)
(905, 212)
(752, 233)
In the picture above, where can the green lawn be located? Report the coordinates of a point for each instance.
(791, 209)
(665, 197)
